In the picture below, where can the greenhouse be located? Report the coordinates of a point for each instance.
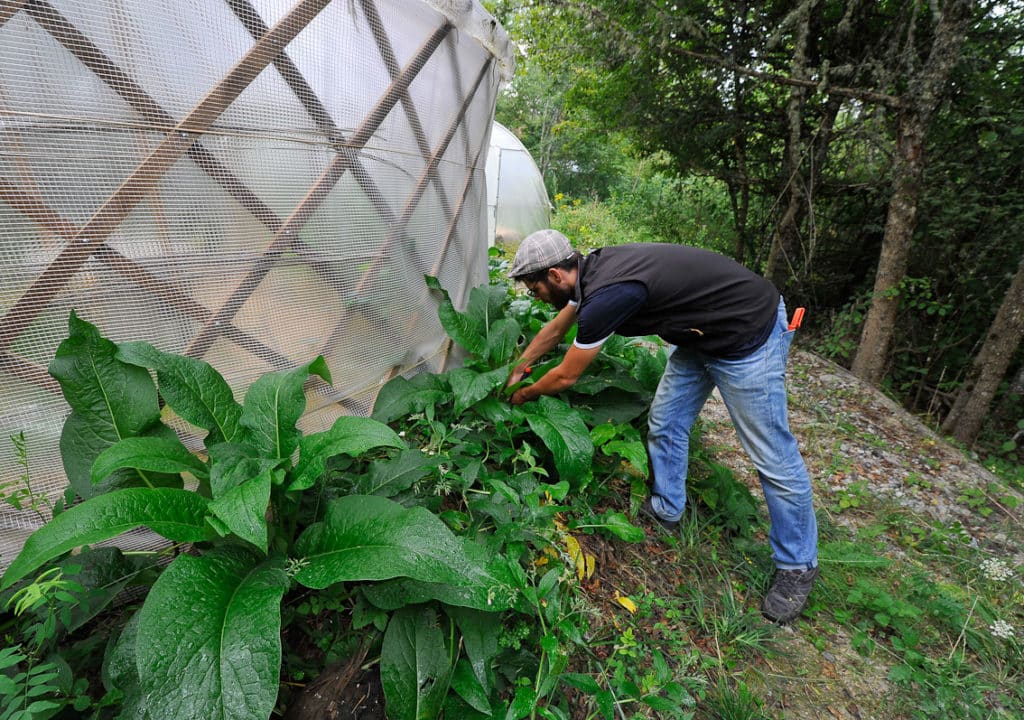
(517, 201)
(249, 183)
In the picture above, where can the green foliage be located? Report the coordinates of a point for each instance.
(737, 703)
(354, 507)
(18, 493)
(36, 681)
(415, 666)
(648, 127)
(27, 695)
(222, 608)
(208, 641)
(842, 338)
(939, 614)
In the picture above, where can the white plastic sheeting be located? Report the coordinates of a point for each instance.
(517, 201)
(252, 182)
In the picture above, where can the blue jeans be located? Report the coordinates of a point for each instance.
(754, 391)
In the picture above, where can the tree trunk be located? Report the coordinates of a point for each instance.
(740, 196)
(786, 237)
(871, 361)
(786, 246)
(1005, 334)
(919, 103)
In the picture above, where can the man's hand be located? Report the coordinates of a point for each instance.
(558, 378)
(517, 375)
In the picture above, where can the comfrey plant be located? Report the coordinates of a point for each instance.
(428, 529)
(206, 642)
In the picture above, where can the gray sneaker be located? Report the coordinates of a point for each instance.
(647, 510)
(787, 597)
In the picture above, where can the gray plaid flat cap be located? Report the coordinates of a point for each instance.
(539, 251)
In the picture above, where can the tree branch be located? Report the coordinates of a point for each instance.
(870, 96)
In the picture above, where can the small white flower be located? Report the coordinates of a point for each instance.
(401, 433)
(1001, 629)
(293, 566)
(995, 569)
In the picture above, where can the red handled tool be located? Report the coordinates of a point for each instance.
(798, 318)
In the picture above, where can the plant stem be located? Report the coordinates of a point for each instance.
(963, 630)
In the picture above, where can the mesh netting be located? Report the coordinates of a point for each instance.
(251, 182)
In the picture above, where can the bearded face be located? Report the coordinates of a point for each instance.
(558, 296)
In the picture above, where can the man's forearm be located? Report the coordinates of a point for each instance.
(551, 384)
(560, 377)
(548, 337)
(543, 342)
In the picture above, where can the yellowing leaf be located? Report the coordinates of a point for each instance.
(583, 562)
(626, 603)
(549, 552)
(572, 546)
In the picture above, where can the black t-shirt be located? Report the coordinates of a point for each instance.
(606, 310)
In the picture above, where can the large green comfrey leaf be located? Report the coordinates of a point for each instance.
(348, 436)
(414, 666)
(82, 442)
(472, 329)
(121, 673)
(96, 384)
(192, 388)
(480, 634)
(109, 401)
(482, 586)
(468, 686)
(401, 397)
(243, 509)
(232, 464)
(274, 403)
(633, 451)
(158, 454)
(102, 573)
(565, 435)
(467, 329)
(470, 386)
(178, 515)
(390, 476)
(502, 339)
(209, 641)
(649, 366)
(365, 537)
